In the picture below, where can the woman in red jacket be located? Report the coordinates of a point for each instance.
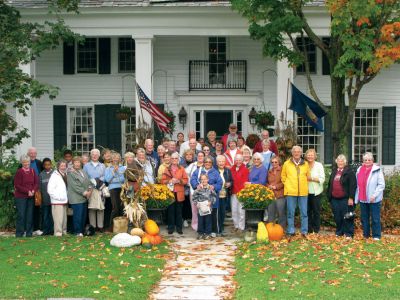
(26, 183)
(240, 175)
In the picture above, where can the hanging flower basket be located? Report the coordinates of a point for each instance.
(123, 113)
(264, 119)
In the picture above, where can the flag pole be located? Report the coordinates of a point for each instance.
(138, 102)
(287, 99)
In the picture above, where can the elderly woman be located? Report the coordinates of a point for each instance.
(231, 153)
(341, 192)
(215, 182)
(166, 161)
(219, 148)
(208, 153)
(224, 193)
(370, 187)
(176, 178)
(258, 173)
(266, 153)
(57, 189)
(241, 142)
(85, 159)
(114, 176)
(247, 157)
(278, 206)
(129, 157)
(160, 151)
(141, 163)
(315, 188)
(95, 170)
(79, 190)
(198, 164)
(26, 183)
(211, 141)
(240, 175)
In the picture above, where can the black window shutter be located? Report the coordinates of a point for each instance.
(59, 126)
(108, 127)
(69, 58)
(104, 55)
(328, 146)
(389, 135)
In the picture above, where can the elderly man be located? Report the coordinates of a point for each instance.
(151, 154)
(295, 174)
(185, 145)
(272, 145)
(232, 135)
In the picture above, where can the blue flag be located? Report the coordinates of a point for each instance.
(307, 108)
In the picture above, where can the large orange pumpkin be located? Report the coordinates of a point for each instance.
(275, 231)
(151, 227)
(153, 239)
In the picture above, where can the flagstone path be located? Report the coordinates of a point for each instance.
(201, 269)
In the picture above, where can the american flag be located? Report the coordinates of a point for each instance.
(161, 119)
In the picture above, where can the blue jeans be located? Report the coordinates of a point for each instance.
(339, 209)
(371, 212)
(47, 220)
(79, 217)
(24, 222)
(204, 225)
(291, 203)
(222, 212)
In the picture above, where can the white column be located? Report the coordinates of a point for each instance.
(144, 69)
(25, 121)
(284, 77)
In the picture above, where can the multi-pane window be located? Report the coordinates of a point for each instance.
(366, 133)
(309, 137)
(311, 55)
(130, 126)
(239, 121)
(87, 56)
(81, 128)
(198, 124)
(217, 59)
(126, 55)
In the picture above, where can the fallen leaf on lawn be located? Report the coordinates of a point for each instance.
(104, 287)
(29, 263)
(96, 292)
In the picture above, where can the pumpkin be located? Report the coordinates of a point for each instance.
(262, 233)
(145, 239)
(137, 231)
(275, 231)
(154, 239)
(151, 227)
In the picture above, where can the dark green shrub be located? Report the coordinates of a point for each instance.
(8, 167)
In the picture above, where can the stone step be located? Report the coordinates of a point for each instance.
(193, 280)
(187, 292)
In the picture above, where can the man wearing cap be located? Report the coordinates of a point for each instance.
(232, 135)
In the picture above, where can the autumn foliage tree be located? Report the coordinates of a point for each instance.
(364, 39)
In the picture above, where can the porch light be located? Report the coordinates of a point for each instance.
(182, 115)
(252, 117)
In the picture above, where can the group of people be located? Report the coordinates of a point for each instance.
(205, 176)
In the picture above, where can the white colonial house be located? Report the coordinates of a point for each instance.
(192, 54)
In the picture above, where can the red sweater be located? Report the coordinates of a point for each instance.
(272, 147)
(239, 178)
(25, 182)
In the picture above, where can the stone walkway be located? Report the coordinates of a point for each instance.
(201, 269)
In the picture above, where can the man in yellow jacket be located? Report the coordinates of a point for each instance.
(295, 173)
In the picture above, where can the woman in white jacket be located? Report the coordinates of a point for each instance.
(57, 189)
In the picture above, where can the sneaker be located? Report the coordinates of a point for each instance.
(377, 239)
(207, 237)
(37, 233)
(199, 236)
(185, 224)
(58, 234)
(213, 234)
(79, 235)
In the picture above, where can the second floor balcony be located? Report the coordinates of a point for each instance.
(228, 74)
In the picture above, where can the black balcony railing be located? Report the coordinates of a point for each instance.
(229, 74)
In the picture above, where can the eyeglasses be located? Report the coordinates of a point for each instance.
(256, 159)
(274, 162)
(206, 150)
(208, 162)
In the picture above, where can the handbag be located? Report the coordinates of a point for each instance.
(38, 198)
(105, 191)
(95, 200)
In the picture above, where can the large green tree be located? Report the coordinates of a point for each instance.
(20, 43)
(364, 38)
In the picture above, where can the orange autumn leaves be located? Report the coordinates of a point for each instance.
(389, 51)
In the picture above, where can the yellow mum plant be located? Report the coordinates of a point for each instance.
(156, 196)
(255, 196)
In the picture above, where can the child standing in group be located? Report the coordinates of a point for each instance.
(204, 197)
(44, 176)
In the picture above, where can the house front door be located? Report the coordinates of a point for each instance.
(217, 120)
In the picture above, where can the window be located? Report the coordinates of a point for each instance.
(81, 128)
(87, 56)
(198, 124)
(366, 133)
(311, 53)
(130, 126)
(308, 136)
(217, 59)
(126, 55)
(239, 122)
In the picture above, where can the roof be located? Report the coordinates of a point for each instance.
(132, 3)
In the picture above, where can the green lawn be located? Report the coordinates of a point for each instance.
(77, 267)
(323, 267)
